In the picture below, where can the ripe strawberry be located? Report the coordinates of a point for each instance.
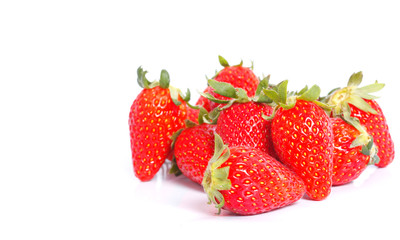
(349, 158)
(302, 137)
(247, 181)
(355, 102)
(241, 121)
(242, 124)
(193, 148)
(153, 118)
(238, 76)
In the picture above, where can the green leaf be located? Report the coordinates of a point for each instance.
(361, 104)
(358, 141)
(164, 79)
(262, 98)
(263, 84)
(175, 95)
(220, 177)
(272, 94)
(302, 91)
(365, 95)
(223, 61)
(370, 143)
(219, 146)
(355, 79)
(214, 113)
(323, 105)
(203, 114)
(141, 79)
(223, 88)
(365, 150)
(289, 103)
(174, 168)
(375, 87)
(208, 117)
(189, 123)
(374, 160)
(185, 97)
(282, 91)
(212, 98)
(240, 64)
(311, 94)
(242, 95)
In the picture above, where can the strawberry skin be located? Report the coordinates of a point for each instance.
(258, 183)
(193, 115)
(302, 138)
(153, 119)
(239, 77)
(376, 125)
(193, 148)
(348, 163)
(242, 124)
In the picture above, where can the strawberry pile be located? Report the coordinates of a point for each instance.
(255, 146)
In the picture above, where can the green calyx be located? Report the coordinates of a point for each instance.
(145, 83)
(364, 139)
(354, 95)
(208, 117)
(225, 63)
(280, 95)
(164, 83)
(215, 178)
(236, 95)
(285, 100)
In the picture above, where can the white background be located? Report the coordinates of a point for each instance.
(68, 78)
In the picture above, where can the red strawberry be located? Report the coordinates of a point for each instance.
(302, 137)
(241, 121)
(238, 76)
(153, 118)
(247, 181)
(355, 102)
(348, 161)
(242, 124)
(193, 148)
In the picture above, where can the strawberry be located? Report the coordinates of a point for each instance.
(247, 181)
(241, 121)
(238, 76)
(350, 158)
(352, 102)
(193, 148)
(155, 115)
(302, 137)
(242, 124)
